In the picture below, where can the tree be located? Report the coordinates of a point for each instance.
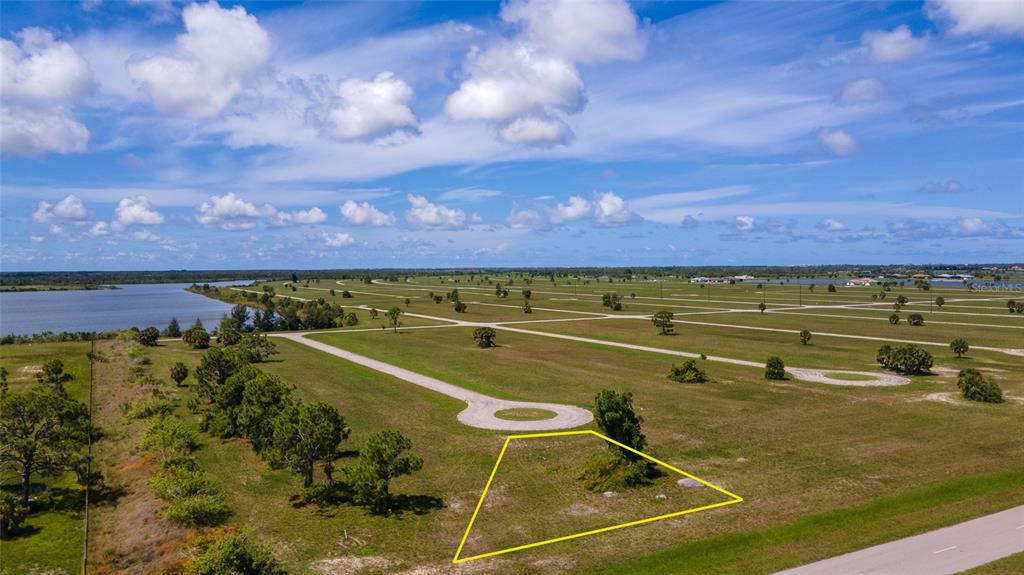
(43, 433)
(612, 300)
(906, 359)
(460, 307)
(237, 553)
(351, 319)
(1011, 305)
(976, 386)
(53, 376)
(229, 332)
(527, 293)
(394, 314)
(240, 314)
(214, 369)
(959, 346)
(663, 321)
(263, 398)
(172, 329)
(407, 302)
(774, 368)
(805, 336)
(615, 417)
(894, 319)
(3, 382)
(346, 294)
(308, 433)
(169, 438)
(915, 319)
(484, 336)
(527, 308)
(373, 313)
(831, 288)
(148, 337)
(902, 300)
(179, 372)
(761, 307)
(940, 301)
(687, 373)
(382, 458)
(196, 337)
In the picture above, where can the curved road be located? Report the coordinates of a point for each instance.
(480, 409)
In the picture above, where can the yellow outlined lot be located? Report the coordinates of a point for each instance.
(733, 498)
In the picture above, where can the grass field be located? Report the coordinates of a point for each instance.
(823, 469)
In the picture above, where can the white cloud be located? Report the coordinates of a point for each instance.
(518, 219)
(469, 194)
(538, 130)
(364, 214)
(837, 141)
(977, 17)
(744, 223)
(831, 225)
(310, 216)
(862, 91)
(70, 208)
(37, 239)
(611, 210)
(372, 109)
(899, 44)
(576, 208)
(99, 229)
(229, 212)
(137, 210)
(950, 187)
(219, 51)
(337, 239)
(523, 83)
(56, 230)
(426, 214)
(145, 236)
(40, 80)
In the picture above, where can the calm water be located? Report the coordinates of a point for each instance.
(139, 305)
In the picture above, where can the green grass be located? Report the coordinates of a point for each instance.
(525, 414)
(52, 542)
(1012, 565)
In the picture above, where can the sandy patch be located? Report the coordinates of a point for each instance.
(351, 564)
(878, 379)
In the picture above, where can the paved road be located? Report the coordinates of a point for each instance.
(480, 408)
(941, 552)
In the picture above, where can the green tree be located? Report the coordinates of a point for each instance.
(774, 368)
(234, 553)
(148, 337)
(4, 386)
(170, 438)
(394, 318)
(460, 307)
(615, 417)
(43, 433)
(53, 375)
(976, 386)
(527, 293)
(382, 458)
(308, 433)
(263, 398)
(915, 319)
(894, 319)
(196, 337)
(214, 369)
(663, 321)
(229, 331)
(907, 359)
(805, 336)
(831, 288)
(687, 373)
(484, 336)
(351, 319)
(959, 346)
(940, 301)
(172, 329)
(527, 308)
(902, 300)
(240, 314)
(179, 372)
(761, 307)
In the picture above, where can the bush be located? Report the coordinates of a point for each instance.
(805, 336)
(199, 511)
(976, 386)
(170, 438)
(906, 359)
(687, 373)
(774, 368)
(959, 346)
(196, 338)
(194, 501)
(613, 473)
(484, 336)
(915, 319)
(12, 513)
(217, 554)
(147, 408)
(148, 336)
(894, 319)
(351, 319)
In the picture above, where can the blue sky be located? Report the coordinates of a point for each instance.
(165, 135)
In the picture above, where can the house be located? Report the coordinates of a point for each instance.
(860, 282)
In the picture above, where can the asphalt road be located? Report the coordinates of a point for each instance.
(942, 552)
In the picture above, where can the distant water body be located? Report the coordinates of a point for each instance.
(138, 305)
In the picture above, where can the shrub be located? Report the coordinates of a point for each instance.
(196, 338)
(346, 294)
(148, 336)
(906, 359)
(484, 336)
(179, 372)
(976, 386)
(894, 319)
(959, 346)
(170, 438)
(613, 473)
(687, 373)
(774, 368)
(915, 319)
(805, 336)
(460, 307)
(199, 511)
(216, 554)
(12, 513)
(147, 408)
(194, 501)
(351, 319)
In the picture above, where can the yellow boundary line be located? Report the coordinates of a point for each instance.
(733, 497)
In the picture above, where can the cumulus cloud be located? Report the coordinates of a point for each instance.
(231, 213)
(831, 225)
(364, 214)
(40, 80)
(372, 109)
(99, 229)
(978, 17)
(519, 219)
(70, 208)
(220, 49)
(862, 91)
(837, 141)
(744, 223)
(337, 239)
(423, 213)
(576, 208)
(137, 210)
(611, 210)
(524, 83)
(950, 187)
(894, 46)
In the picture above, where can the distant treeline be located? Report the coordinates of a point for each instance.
(208, 276)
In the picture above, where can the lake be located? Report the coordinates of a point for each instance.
(138, 305)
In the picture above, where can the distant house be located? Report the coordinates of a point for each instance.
(743, 278)
(921, 277)
(860, 282)
(699, 280)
